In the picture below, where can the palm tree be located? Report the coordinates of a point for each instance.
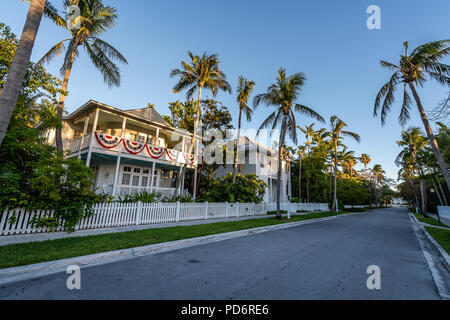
(365, 159)
(244, 90)
(282, 95)
(337, 126)
(202, 72)
(95, 20)
(309, 133)
(412, 71)
(19, 65)
(413, 142)
(406, 172)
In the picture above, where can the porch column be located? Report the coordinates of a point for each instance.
(86, 123)
(156, 138)
(153, 177)
(119, 156)
(94, 127)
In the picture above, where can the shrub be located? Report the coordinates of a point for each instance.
(248, 188)
(142, 196)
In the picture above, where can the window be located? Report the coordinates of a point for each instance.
(137, 170)
(145, 171)
(126, 179)
(144, 181)
(127, 169)
(135, 182)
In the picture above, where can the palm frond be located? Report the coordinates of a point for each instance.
(308, 111)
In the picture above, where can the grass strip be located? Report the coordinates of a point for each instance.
(442, 236)
(429, 220)
(34, 252)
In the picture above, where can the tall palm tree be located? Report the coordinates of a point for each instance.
(337, 133)
(201, 72)
(365, 160)
(309, 134)
(411, 72)
(19, 65)
(244, 90)
(282, 95)
(95, 20)
(406, 172)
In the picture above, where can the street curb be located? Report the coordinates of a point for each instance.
(434, 243)
(31, 271)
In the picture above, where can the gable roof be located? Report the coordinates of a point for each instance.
(147, 114)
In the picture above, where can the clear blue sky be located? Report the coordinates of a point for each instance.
(327, 40)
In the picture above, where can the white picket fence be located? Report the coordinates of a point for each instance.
(18, 221)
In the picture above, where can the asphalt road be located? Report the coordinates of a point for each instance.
(324, 260)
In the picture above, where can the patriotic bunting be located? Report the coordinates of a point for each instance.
(172, 154)
(133, 147)
(155, 152)
(107, 141)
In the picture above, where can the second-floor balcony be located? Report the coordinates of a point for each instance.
(112, 145)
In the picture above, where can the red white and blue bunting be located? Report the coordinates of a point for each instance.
(107, 141)
(172, 154)
(189, 158)
(155, 152)
(133, 147)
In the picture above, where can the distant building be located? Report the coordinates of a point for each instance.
(262, 161)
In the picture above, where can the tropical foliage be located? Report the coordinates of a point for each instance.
(248, 188)
(33, 174)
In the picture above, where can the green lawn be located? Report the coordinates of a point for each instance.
(442, 236)
(34, 252)
(429, 220)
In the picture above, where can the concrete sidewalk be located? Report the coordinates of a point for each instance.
(24, 238)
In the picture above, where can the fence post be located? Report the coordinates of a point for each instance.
(237, 209)
(206, 210)
(177, 214)
(138, 212)
(226, 209)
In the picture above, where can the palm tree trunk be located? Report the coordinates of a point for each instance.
(237, 146)
(19, 65)
(444, 198)
(422, 196)
(437, 191)
(300, 177)
(414, 192)
(62, 97)
(333, 208)
(433, 142)
(280, 153)
(191, 147)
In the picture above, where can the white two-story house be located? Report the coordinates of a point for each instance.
(263, 161)
(129, 150)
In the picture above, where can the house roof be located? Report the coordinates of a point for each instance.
(148, 114)
(247, 142)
